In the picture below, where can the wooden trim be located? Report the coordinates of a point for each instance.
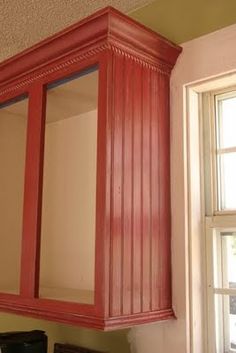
(41, 72)
(107, 25)
(33, 193)
(101, 287)
(132, 262)
(140, 318)
(67, 317)
(34, 308)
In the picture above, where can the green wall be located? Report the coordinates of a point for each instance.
(182, 20)
(112, 342)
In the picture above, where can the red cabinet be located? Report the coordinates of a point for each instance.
(85, 188)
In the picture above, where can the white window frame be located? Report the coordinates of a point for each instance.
(217, 218)
(216, 97)
(214, 225)
(199, 307)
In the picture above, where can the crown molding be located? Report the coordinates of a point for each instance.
(107, 28)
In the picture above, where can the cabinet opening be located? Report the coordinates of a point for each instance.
(13, 128)
(67, 259)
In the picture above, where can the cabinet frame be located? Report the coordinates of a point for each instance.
(30, 251)
(107, 39)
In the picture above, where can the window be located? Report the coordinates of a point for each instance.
(219, 129)
(226, 150)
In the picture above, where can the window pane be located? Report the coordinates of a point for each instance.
(13, 125)
(227, 122)
(225, 259)
(229, 259)
(69, 190)
(227, 182)
(219, 324)
(233, 322)
(225, 323)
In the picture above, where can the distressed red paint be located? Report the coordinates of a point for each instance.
(133, 260)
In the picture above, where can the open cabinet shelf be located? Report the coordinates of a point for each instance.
(85, 188)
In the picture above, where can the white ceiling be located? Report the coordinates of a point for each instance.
(26, 22)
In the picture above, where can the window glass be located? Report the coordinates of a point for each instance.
(225, 323)
(220, 195)
(232, 318)
(228, 254)
(227, 165)
(226, 152)
(227, 122)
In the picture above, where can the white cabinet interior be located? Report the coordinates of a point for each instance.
(67, 262)
(13, 127)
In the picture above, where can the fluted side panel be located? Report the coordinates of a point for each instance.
(140, 190)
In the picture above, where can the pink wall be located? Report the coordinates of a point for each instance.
(204, 58)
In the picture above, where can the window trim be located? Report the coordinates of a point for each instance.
(226, 219)
(213, 244)
(196, 268)
(212, 191)
(210, 131)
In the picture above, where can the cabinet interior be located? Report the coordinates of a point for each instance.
(69, 190)
(67, 256)
(13, 127)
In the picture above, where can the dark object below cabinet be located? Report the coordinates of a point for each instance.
(23, 342)
(67, 348)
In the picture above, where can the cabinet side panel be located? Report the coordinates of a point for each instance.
(127, 184)
(117, 201)
(154, 198)
(161, 218)
(146, 190)
(140, 223)
(164, 192)
(137, 191)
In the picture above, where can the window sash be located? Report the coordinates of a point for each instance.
(217, 295)
(213, 151)
(218, 151)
